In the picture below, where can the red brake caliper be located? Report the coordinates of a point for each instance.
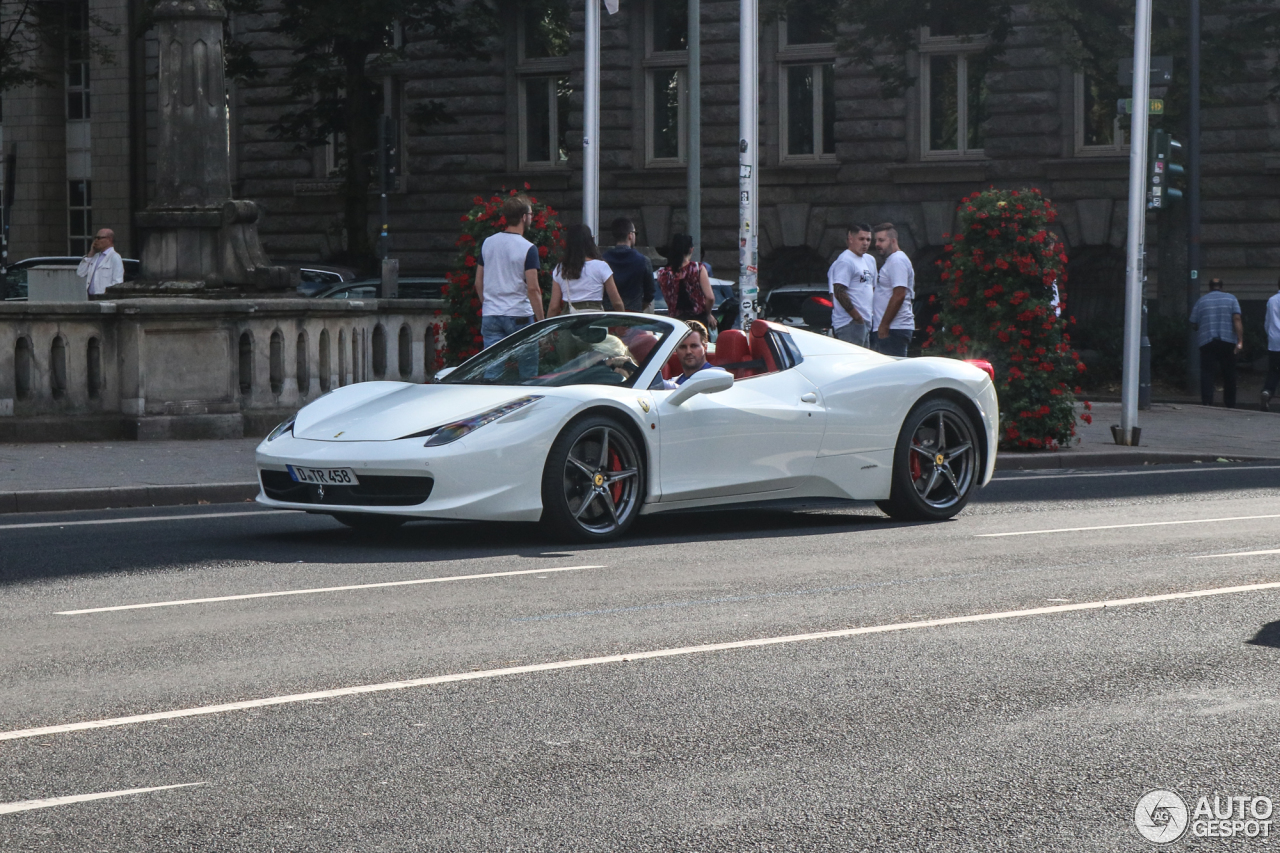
(615, 464)
(916, 471)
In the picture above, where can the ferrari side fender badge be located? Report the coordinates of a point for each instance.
(644, 404)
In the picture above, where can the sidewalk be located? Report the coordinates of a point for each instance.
(59, 477)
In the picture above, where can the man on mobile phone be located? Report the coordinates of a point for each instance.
(102, 267)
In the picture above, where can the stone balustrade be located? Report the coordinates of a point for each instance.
(193, 368)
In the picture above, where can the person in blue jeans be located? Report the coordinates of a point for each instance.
(507, 281)
(895, 292)
(1220, 336)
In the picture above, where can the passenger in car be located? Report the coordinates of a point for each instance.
(692, 353)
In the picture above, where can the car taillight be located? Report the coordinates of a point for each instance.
(983, 365)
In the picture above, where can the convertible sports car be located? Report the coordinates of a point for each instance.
(567, 422)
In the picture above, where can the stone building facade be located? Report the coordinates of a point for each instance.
(834, 148)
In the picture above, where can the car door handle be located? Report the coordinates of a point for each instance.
(809, 398)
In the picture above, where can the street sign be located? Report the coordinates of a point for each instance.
(1161, 71)
(1124, 106)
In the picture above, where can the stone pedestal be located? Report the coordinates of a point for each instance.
(56, 283)
(198, 240)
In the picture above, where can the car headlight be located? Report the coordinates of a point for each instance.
(287, 426)
(456, 430)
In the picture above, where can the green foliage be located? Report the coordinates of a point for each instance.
(32, 31)
(996, 304)
(462, 314)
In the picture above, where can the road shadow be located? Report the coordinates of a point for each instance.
(53, 552)
(1268, 635)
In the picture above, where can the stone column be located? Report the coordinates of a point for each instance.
(198, 238)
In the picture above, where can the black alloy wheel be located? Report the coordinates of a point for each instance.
(369, 523)
(593, 483)
(935, 463)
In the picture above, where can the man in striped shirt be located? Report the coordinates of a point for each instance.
(1220, 336)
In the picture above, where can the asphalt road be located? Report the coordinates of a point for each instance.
(666, 693)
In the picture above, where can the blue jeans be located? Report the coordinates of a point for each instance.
(853, 333)
(495, 328)
(896, 344)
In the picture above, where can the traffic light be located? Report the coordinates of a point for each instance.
(1161, 170)
(388, 152)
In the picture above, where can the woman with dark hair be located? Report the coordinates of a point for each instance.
(686, 285)
(581, 279)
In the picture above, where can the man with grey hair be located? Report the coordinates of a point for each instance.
(101, 267)
(891, 310)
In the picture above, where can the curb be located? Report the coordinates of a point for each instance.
(63, 500)
(1111, 459)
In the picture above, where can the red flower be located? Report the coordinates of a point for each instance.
(1087, 418)
(470, 261)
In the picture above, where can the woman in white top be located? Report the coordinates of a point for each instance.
(581, 280)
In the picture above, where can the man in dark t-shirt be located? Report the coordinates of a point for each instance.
(632, 271)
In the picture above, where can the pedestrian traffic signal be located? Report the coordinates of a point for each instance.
(1161, 170)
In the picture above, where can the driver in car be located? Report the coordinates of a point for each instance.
(692, 353)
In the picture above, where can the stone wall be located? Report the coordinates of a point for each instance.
(172, 368)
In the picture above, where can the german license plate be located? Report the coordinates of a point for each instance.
(323, 476)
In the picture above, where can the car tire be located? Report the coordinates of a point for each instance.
(369, 523)
(593, 484)
(933, 479)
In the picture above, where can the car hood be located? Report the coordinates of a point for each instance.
(385, 411)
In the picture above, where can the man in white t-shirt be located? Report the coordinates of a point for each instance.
(895, 291)
(851, 281)
(507, 276)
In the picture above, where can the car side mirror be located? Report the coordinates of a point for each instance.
(702, 382)
(441, 374)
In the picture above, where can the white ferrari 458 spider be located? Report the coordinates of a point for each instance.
(568, 422)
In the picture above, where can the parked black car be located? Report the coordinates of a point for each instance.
(13, 286)
(411, 287)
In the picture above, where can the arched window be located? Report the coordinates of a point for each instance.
(406, 352)
(22, 368)
(379, 352)
(58, 367)
(325, 381)
(93, 366)
(303, 368)
(277, 362)
(246, 363)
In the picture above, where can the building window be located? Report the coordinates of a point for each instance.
(544, 92)
(79, 217)
(545, 121)
(953, 101)
(802, 27)
(77, 61)
(808, 112)
(666, 82)
(1099, 127)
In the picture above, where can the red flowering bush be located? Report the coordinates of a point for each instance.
(462, 307)
(996, 303)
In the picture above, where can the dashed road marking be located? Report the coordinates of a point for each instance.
(317, 590)
(295, 698)
(28, 805)
(1122, 526)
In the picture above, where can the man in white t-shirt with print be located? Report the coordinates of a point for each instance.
(851, 281)
(507, 276)
(895, 291)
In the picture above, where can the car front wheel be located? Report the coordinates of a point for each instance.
(935, 463)
(593, 483)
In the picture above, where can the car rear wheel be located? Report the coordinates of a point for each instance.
(935, 464)
(593, 483)
(369, 523)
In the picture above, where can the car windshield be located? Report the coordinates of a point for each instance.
(579, 349)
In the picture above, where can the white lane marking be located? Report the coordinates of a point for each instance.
(205, 710)
(33, 524)
(28, 805)
(384, 584)
(1120, 526)
(1237, 554)
(1212, 467)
